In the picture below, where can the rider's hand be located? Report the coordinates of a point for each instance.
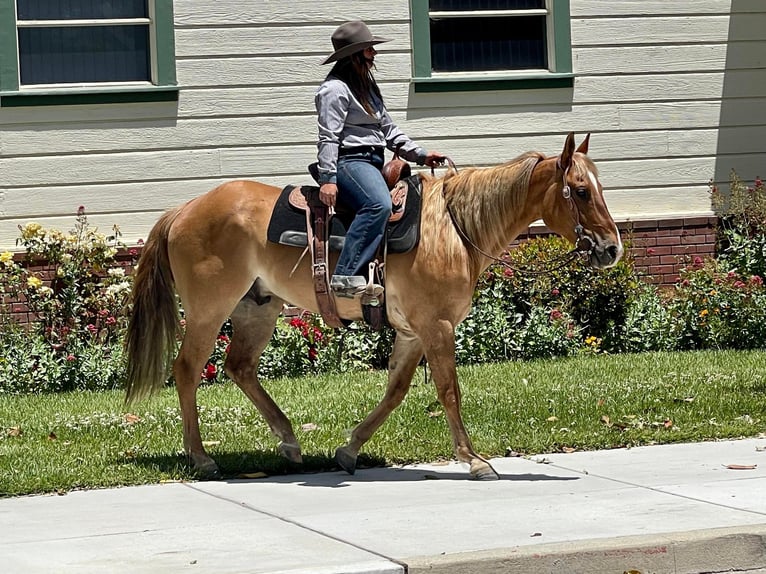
(328, 193)
(435, 159)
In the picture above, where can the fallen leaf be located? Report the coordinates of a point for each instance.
(600, 403)
(668, 423)
(132, 419)
(434, 414)
(13, 431)
(52, 436)
(552, 419)
(535, 534)
(509, 452)
(252, 475)
(631, 572)
(741, 466)
(308, 427)
(606, 420)
(568, 449)
(207, 443)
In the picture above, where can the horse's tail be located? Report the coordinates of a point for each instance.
(154, 326)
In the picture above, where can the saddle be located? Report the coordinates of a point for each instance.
(300, 219)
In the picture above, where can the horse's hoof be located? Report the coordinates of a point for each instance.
(345, 459)
(291, 452)
(482, 470)
(208, 471)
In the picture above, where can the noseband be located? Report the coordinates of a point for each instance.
(583, 246)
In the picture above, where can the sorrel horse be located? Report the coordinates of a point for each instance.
(213, 252)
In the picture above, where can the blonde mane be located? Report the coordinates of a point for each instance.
(482, 200)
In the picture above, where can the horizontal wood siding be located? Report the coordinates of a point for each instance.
(673, 92)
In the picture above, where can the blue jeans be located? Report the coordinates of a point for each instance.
(361, 187)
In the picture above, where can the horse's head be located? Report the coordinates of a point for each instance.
(574, 206)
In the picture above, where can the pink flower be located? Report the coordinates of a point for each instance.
(650, 251)
(697, 261)
(556, 315)
(111, 321)
(140, 242)
(739, 284)
(71, 358)
(756, 280)
(313, 354)
(555, 292)
(210, 372)
(92, 328)
(81, 210)
(508, 272)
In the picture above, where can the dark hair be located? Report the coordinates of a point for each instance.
(353, 71)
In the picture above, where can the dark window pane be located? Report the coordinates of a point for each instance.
(447, 5)
(483, 44)
(80, 9)
(84, 54)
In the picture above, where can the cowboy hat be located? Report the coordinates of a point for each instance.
(350, 38)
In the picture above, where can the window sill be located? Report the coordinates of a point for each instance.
(492, 83)
(88, 96)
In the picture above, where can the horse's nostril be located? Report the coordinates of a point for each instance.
(612, 251)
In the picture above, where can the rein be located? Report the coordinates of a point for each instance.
(583, 247)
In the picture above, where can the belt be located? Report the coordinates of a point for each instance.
(360, 150)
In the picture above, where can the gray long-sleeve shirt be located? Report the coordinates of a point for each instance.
(344, 123)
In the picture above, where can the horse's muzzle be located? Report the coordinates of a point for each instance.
(606, 252)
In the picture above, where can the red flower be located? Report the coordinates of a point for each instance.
(508, 272)
(756, 280)
(650, 251)
(71, 358)
(313, 354)
(556, 315)
(223, 338)
(555, 292)
(697, 261)
(210, 372)
(739, 284)
(111, 321)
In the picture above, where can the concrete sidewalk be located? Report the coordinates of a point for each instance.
(661, 509)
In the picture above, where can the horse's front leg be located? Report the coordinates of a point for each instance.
(404, 359)
(440, 352)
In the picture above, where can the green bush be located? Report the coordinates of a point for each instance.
(77, 304)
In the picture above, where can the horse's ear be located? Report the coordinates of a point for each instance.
(583, 147)
(565, 161)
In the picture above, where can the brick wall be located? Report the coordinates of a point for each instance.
(660, 248)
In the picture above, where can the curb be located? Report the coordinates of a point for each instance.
(740, 549)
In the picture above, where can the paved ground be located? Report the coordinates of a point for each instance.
(662, 509)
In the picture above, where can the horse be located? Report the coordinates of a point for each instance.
(214, 254)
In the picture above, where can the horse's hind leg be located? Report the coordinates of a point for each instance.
(253, 321)
(405, 357)
(197, 345)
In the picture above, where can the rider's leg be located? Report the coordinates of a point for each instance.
(362, 188)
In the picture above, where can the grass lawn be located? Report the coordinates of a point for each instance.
(60, 442)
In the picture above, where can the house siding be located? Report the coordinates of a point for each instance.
(673, 92)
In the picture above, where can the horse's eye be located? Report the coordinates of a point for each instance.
(582, 192)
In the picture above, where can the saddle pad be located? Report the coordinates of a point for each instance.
(288, 223)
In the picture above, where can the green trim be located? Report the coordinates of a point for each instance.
(562, 37)
(432, 85)
(164, 27)
(9, 76)
(73, 98)
(421, 39)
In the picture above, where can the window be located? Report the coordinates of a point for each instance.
(65, 49)
(490, 44)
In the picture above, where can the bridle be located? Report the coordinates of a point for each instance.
(583, 245)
